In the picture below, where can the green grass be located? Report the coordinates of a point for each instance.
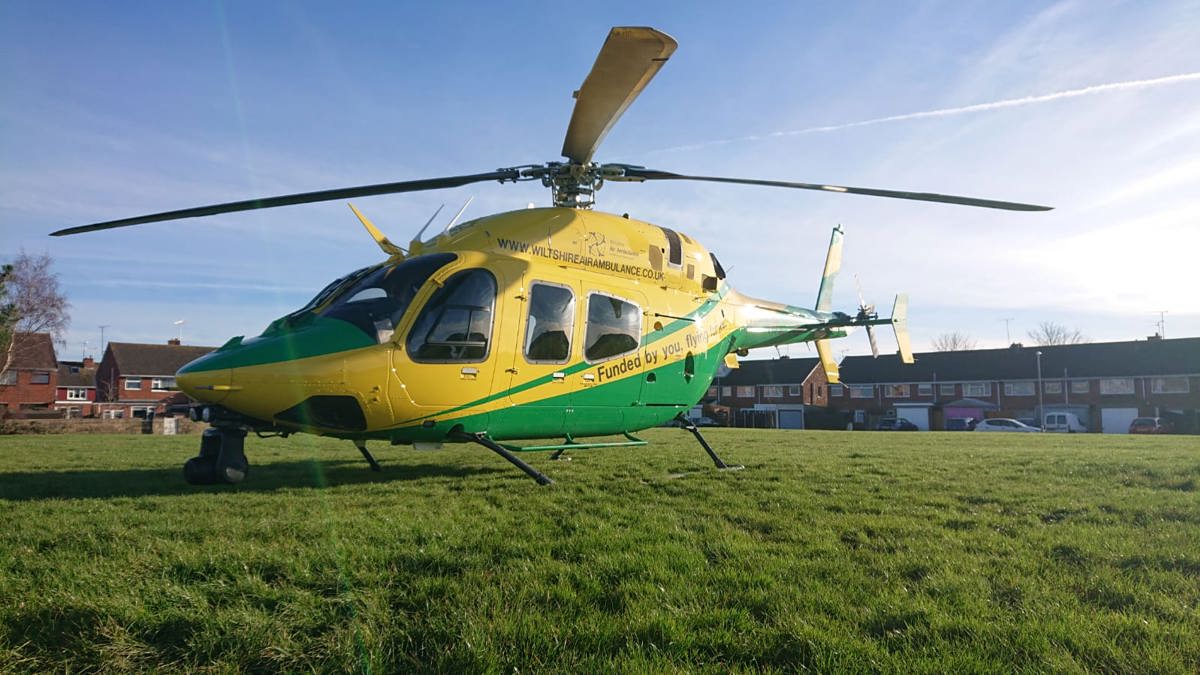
(831, 551)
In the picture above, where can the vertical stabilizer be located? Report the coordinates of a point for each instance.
(833, 263)
(900, 325)
(827, 363)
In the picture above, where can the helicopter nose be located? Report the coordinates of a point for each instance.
(205, 380)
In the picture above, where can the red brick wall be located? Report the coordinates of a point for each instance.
(25, 393)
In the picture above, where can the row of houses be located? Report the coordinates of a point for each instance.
(131, 380)
(1105, 384)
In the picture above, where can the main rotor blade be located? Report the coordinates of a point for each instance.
(301, 198)
(634, 173)
(627, 62)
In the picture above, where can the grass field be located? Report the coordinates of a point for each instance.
(831, 551)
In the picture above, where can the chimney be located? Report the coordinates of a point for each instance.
(174, 342)
(89, 362)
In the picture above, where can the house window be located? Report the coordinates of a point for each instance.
(1169, 385)
(77, 394)
(946, 389)
(549, 325)
(1052, 387)
(712, 392)
(614, 327)
(1080, 387)
(133, 383)
(726, 392)
(1116, 386)
(39, 378)
(745, 392)
(1019, 389)
(977, 389)
(772, 391)
(860, 416)
(9, 377)
(862, 391)
(835, 391)
(895, 390)
(141, 412)
(794, 390)
(925, 389)
(162, 383)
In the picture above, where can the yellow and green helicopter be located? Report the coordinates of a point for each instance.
(559, 322)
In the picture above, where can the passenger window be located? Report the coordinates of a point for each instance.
(548, 328)
(614, 327)
(456, 323)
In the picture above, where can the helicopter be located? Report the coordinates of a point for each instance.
(560, 322)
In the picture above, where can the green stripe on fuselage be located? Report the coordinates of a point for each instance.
(322, 336)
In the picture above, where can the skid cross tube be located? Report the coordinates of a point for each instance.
(690, 426)
(482, 439)
(362, 447)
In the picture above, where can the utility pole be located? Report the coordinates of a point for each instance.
(1041, 411)
(102, 338)
(1007, 334)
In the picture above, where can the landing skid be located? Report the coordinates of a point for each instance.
(495, 447)
(362, 447)
(689, 426)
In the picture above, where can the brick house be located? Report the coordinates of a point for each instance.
(28, 386)
(1106, 384)
(781, 393)
(135, 379)
(76, 389)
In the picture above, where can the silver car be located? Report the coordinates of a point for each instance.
(1003, 424)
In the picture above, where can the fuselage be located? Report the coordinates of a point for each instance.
(527, 324)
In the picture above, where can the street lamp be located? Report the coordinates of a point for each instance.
(1041, 412)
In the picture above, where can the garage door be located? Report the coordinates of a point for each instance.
(918, 416)
(1116, 420)
(791, 419)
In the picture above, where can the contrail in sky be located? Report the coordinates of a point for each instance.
(947, 112)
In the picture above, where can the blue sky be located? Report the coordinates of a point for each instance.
(113, 110)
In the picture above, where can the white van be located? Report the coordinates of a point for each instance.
(1063, 422)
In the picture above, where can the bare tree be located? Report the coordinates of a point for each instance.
(30, 302)
(1049, 333)
(953, 342)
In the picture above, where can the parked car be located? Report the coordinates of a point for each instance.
(960, 424)
(1150, 425)
(1004, 424)
(1063, 422)
(895, 424)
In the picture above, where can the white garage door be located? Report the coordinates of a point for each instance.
(918, 416)
(1116, 420)
(791, 419)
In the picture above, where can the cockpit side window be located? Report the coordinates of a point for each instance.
(456, 324)
(376, 303)
(614, 327)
